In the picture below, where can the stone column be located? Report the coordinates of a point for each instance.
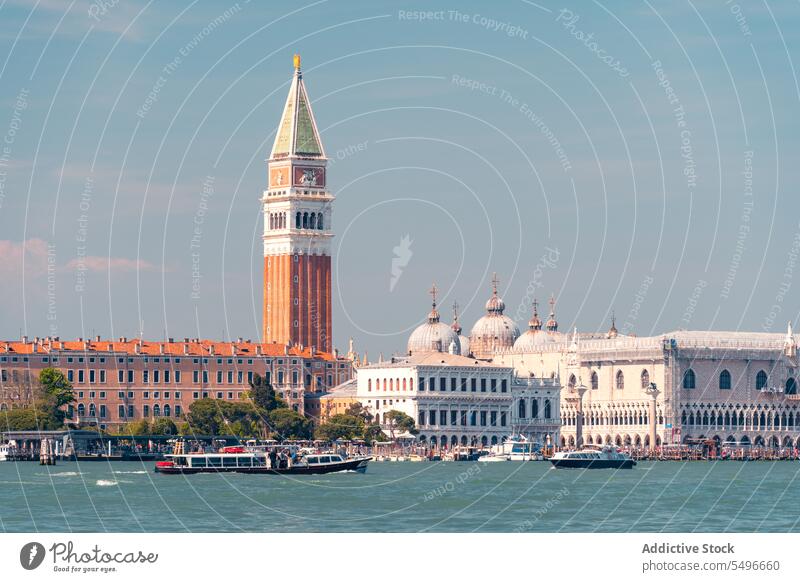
(653, 392)
(581, 390)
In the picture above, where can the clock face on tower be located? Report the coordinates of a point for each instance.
(309, 176)
(279, 177)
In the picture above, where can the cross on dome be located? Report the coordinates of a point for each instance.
(433, 316)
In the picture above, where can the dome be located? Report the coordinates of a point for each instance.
(494, 331)
(433, 335)
(532, 340)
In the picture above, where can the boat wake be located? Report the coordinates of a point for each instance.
(65, 474)
(130, 472)
(105, 483)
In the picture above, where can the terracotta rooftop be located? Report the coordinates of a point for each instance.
(186, 347)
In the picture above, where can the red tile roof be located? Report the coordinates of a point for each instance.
(192, 347)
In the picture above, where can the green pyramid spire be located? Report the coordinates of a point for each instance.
(297, 132)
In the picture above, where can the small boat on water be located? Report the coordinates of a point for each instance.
(239, 460)
(7, 452)
(514, 448)
(593, 457)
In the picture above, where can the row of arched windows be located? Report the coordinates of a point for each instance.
(754, 420)
(725, 383)
(277, 220)
(523, 408)
(310, 220)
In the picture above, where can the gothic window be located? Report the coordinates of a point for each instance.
(594, 381)
(534, 408)
(319, 221)
(725, 380)
(547, 410)
(313, 221)
(620, 380)
(522, 408)
(689, 379)
(305, 220)
(645, 379)
(761, 380)
(572, 381)
(297, 220)
(791, 386)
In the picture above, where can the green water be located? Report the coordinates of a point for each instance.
(407, 497)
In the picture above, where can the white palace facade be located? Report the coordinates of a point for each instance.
(735, 387)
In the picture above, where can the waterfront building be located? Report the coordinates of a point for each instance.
(320, 406)
(734, 387)
(123, 380)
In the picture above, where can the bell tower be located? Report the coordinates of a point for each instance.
(297, 230)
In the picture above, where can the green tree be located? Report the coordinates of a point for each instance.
(341, 427)
(398, 421)
(163, 426)
(373, 432)
(55, 385)
(203, 417)
(357, 409)
(31, 418)
(263, 395)
(136, 428)
(285, 423)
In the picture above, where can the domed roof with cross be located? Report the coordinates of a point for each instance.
(433, 335)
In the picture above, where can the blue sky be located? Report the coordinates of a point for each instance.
(649, 169)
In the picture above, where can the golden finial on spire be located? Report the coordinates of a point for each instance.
(296, 61)
(495, 281)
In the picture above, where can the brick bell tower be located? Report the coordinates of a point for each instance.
(297, 230)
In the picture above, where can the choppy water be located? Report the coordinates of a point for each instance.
(667, 496)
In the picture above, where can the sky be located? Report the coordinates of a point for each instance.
(636, 159)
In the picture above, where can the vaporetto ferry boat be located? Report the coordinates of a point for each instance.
(240, 460)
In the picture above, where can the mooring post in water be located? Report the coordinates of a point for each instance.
(46, 453)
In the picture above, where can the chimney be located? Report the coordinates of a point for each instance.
(97, 338)
(35, 346)
(185, 349)
(313, 350)
(233, 349)
(161, 349)
(171, 340)
(137, 348)
(258, 349)
(211, 349)
(25, 339)
(186, 340)
(86, 346)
